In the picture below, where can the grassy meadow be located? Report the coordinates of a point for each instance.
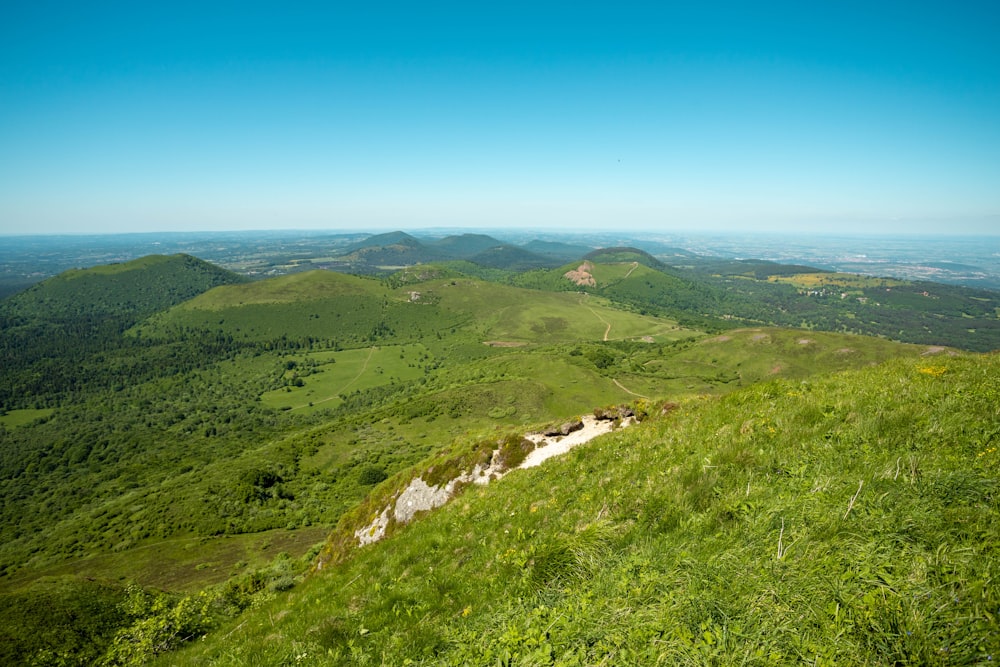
(811, 496)
(850, 519)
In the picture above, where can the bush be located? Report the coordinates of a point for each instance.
(371, 475)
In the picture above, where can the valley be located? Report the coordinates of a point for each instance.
(183, 446)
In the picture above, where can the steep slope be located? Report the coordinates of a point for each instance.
(847, 520)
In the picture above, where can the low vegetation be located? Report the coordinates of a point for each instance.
(851, 519)
(176, 445)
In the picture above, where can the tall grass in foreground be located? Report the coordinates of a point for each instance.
(847, 520)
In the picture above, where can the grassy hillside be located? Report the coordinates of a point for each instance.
(851, 519)
(221, 438)
(717, 294)
(278, 436)
(351, 311)
(332, 309)
(621, 255)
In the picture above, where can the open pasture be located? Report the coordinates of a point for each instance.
(337, 373)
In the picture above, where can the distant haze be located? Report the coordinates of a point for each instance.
(784, 117)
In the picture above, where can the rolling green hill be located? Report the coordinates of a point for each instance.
(384, 253)
(51, 331)
(511, 258)
(851, 519)
(717, 294)
(401, 239)
(465, 246)
(124, 292)
(206, 446)
(619, 255)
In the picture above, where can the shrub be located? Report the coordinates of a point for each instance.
(371, 475)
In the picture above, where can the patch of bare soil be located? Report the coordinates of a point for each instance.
(581, 276)
(805, 341)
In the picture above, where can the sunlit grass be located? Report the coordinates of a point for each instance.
(844, 520)
(16, 418)
(337, 373)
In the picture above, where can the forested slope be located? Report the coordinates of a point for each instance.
(52, 331)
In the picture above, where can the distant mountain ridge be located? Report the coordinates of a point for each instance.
(465, 246)
(396, 249)
(624, 254)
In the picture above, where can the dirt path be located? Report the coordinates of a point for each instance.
(635, 265)
(627, 390)
(357, 377)
(603, 321)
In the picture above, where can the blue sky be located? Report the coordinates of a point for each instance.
(871, 117)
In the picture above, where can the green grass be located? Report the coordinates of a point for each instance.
(186, 564)
(336, 373)
(514, 314)
(851, 519)
(179, 479)
(308, 286)
(16, 418)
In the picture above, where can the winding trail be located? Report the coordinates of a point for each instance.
(627, 390)
(584, 298)
(603, 321)
(635, 265)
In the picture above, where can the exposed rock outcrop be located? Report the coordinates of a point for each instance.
(563, 429)
(419, 496)
(582, 275)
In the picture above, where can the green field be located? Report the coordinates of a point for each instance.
(16, 418)
(511, 314)
(336, 373)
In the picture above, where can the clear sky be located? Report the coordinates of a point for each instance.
(797, 116)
